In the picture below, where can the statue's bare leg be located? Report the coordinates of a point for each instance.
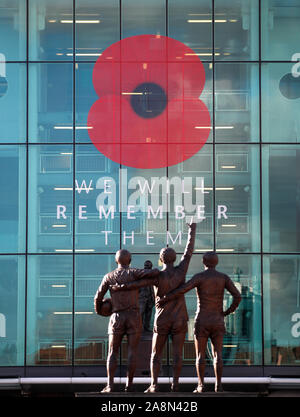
(133, 343)
(200, 347)
(217, 345)
(177, 346)
(158, 343)
(114, 343)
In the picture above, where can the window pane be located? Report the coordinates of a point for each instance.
(280, 103)
(13, 198)
(12, 102)
(50, 198)
(280, 29)
(281, 309)
(49, 310)
(191, 23)
(91, 337)
(280, 191)
(100, 30)
(85, 97)
(236, 103)
(242, 341)
(50, 30)
(144, 216)
(141, 17)
(237, 198)
(236, 29)
(50, 102)
(12, 310)
(196, 198)
(13, 30)
(97, 224)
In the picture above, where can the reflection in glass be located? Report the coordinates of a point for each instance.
(236, 30)
(141, 17)
(281, 198)
(144, 213)
(50, 199)
(85, 97)
(13, 199)
(279, 25)
(50, 30)
(97, 217)
(237, 198)
(236, 103)
(90, 329)
(242, 341)
(13, 30)
(49, 310)
(12, 310)
(191, 23)
(50, 101)
(102, 27)
(196, 176)
(12, 102)
(282, 309)
(280, 103)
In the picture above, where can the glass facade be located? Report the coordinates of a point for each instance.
(66, 207)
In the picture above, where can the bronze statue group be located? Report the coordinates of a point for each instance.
(171, 315)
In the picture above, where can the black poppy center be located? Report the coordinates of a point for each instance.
(148, 100)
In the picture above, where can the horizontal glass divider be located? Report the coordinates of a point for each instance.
(219, 61)
(178, 143)
(198, 252)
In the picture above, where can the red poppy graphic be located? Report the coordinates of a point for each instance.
(149, 114)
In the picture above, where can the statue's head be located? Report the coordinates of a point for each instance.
(123, 257)
(210, 259)
(148, 264)
(167, 255)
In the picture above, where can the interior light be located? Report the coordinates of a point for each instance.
(80, 21)
(228, 166)
(206, 21)
(216, 127)
(58, 286)
(59, 225)
(228, 225)
(203, 54)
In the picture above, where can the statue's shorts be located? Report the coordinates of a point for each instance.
(125, 322)
(208, 330)
(171, 327)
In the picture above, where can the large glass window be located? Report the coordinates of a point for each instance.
(236, 103)
(140, 17)
(85, 98)
(12, 30)
(49, 310)
(97, 27)
(279, 26)
(12, 102)
(280, 102)
(282, 309)
(13, 198)
(236, 30)
(280, 191)
(196, 197)
(90, 345)
(191, 23)
(237, 198)
(50, 199)
(50, 102)
(12, 310)
(51, 30)
(97, 214)
(243, 339)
